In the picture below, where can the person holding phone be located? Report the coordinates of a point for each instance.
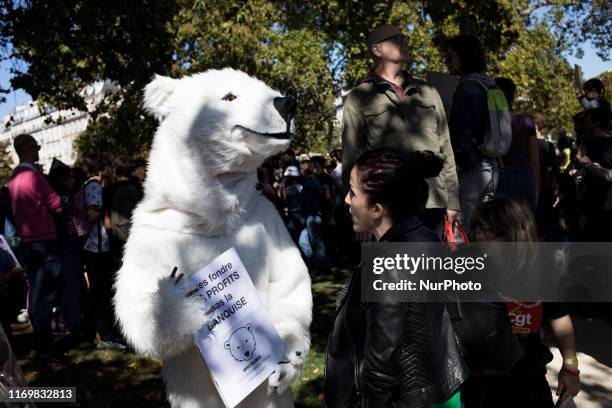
(591, 94)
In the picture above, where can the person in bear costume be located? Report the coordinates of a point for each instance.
(200, 199)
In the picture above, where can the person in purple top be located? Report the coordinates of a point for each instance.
(519, 175)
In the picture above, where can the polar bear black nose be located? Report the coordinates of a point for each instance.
(286, 107)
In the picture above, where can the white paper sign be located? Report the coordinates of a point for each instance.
(241, 346)
(445, 84)
(4, 245)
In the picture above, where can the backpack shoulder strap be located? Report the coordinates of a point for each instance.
(486, 88)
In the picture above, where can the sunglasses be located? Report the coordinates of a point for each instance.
(397, 39)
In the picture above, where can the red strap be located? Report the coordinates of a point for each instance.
(449, 234)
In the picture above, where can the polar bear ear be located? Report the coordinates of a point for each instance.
(157, 95)
(249, 327)
(227, 345)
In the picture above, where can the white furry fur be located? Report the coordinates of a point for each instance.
(200, 200)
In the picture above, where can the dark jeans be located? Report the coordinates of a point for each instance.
(342, 235)
(42, 261)
(99, 316)
(72, 268)
(518, 184)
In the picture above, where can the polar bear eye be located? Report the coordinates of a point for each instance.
(229, 97)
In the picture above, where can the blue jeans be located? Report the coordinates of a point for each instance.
(42, 261)
(312, 246)
(475, 184)
(295, 224)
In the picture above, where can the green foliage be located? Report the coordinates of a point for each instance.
(606, 78)
(497, 22)
(316, 48)
(118, 126)
(69, 44)
(250, 36)
(6, 162)
(575, 22)
(539, 88)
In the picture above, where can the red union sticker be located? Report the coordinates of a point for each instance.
(525, 317)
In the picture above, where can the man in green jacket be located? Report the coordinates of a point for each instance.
(389, 108)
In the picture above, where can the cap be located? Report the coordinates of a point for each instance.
(381, 33)
(291, 171)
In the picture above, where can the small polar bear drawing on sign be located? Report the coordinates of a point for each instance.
(241, 343)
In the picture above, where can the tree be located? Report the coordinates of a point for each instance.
(118, 126)
(250, 36)
(6, 162)
(606, 78)
(316, 48)
(575, 22)
(69, 44)
(539, 88)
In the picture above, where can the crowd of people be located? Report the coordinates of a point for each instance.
(68, 230)
(403, 172)
(395, 141)
(307, 190)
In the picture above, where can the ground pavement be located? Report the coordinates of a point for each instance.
(594, 346)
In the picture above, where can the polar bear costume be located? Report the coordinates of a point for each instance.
(200, 199)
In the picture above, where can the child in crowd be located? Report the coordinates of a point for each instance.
(507, 220)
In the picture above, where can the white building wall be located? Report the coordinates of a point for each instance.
(55, 138)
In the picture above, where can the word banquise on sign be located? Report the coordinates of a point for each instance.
(240, 345)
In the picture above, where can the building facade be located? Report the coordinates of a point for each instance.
(54, 130)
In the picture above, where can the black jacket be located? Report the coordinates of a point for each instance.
(390, 354)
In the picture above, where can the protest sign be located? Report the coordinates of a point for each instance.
(240, 344)
(445, 84)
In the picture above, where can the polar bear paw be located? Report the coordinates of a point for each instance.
(177, 316)
(286, 372)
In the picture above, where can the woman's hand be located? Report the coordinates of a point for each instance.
(569, 382)
(452, 216)
(563, 331)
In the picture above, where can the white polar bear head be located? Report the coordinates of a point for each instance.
(241, 343)
(231, 120)
(216, 128)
